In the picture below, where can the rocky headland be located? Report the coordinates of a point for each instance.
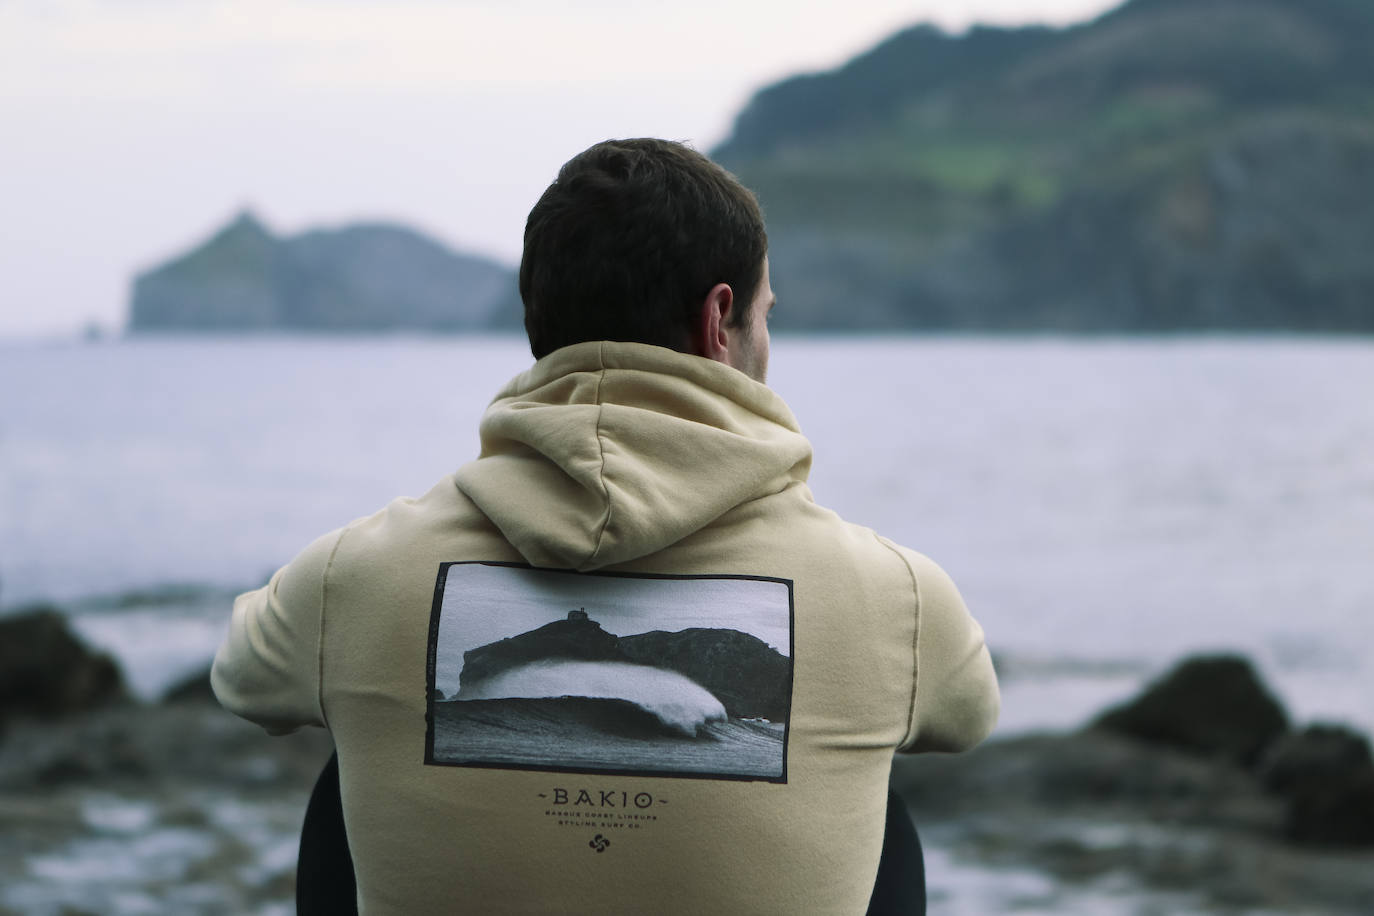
(574, 639)
(1201, 791)
(369, 277)
(749, 677)
(1172, 165)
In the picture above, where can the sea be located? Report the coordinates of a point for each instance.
(1106, 505)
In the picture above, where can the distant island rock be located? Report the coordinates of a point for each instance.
(1173, 165)
(749, 677)
(366, 277)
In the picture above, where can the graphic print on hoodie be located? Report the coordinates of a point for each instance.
(682, 675)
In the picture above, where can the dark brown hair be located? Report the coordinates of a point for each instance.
(628, 240)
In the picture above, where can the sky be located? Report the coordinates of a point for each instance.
(133, 129)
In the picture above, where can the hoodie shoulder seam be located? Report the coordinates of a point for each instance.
(601, 448)
(324, 603)
(911, 722)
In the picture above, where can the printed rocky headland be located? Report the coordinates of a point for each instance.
(750, 678)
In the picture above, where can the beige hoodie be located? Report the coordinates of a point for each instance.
(621, 663)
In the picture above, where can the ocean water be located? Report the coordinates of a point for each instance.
(1106, 505)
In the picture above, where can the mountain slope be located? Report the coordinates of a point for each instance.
(1174, 164)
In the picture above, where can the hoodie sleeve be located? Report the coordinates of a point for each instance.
(956, 701)
(267, 670)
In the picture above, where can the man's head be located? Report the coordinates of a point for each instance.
(633, 241)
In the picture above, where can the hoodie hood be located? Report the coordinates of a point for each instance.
(604, 452)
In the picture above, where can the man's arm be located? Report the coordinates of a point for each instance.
(268, 668)
(956, 701)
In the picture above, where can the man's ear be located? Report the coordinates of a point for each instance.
(712, 326)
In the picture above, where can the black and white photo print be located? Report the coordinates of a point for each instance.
(610, 673)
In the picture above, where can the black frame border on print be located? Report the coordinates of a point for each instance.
(431, 667)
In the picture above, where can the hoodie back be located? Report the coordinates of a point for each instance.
(622, 662)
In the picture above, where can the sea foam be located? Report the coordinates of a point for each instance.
(678, 701)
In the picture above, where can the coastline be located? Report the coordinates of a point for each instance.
(136, 808)
(130, 805)
(1103, 814)
(152, 808)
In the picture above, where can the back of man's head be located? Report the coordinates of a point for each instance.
(627, 242)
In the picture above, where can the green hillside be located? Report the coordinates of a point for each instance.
(1174, 164)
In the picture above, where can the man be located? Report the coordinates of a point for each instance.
(622, 662)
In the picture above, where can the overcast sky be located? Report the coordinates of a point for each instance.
(130, 129)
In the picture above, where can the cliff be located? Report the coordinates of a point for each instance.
(748, 676)
(577, 640)
(1172, 165)
(369, 277)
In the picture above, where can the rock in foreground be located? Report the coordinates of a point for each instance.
(1104, 810)
(47, 672)
(1211, 705)
(1326, 772)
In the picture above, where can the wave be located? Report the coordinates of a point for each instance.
(675, 700)
(539, 721)
(594, 735)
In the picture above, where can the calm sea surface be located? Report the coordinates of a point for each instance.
(1105, 505)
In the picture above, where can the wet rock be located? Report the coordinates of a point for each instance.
(110, 751)
(1339, 815)
(1211, 705)
(158, 745)
(1319, 754)
(1093, 771)
(47, 672)
(1326, 774)
(194, 688)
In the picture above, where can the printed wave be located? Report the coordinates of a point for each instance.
(544, 719)
(675, 701)
(588, 734)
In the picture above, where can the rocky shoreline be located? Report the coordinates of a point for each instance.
(1199, 786)
(1092, 808)
(176, 807)
(109, 805)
